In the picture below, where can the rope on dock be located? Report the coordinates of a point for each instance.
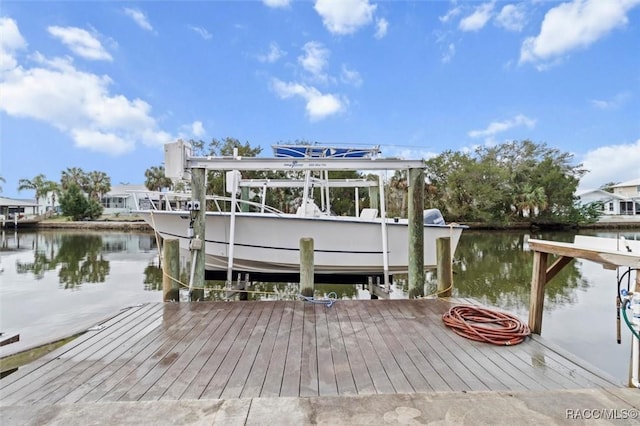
(328, 301)
(485, 325)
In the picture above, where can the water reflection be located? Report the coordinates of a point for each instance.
(103, 270)
(496, 268)
(78, 258)
(152, 277)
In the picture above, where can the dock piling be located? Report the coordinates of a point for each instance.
(416, 233)
(445, 275)
(198, 178)
(170, 270)
(306, 267)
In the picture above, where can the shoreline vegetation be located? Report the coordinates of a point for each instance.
(134, 222)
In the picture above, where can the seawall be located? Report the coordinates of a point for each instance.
(95, 224)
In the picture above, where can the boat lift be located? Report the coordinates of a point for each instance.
(181, 164)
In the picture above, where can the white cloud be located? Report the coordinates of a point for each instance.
(451, 13)
(315, 59)
(100, 141)
(449, 53)
(202, 32)
(612, 103)
(350, 76)
(345, 16)
(511, 17)
(502, 126)
(197, 128)
(625, 157)
(382, 26)
(318, 106)
(276, 3)
(273, 55)
(139, 18)
(81, 42)
(192, 130)
(573, 25)
(478, 19)
(84, 107)
(10, 42)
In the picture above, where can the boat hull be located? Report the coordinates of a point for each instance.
(269, 243)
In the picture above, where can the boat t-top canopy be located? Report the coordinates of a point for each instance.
(318, 151)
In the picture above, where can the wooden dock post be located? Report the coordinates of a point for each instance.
(170, 270)
(198, 192)
(306, 267)
(416, 233)
(538, 282)
(443, 258)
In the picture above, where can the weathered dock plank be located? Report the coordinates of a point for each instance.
(276, 365)
(64, 364)
(261, 349)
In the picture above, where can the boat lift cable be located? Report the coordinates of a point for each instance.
(485, 325)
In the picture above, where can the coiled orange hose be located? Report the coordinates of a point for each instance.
(485, 325)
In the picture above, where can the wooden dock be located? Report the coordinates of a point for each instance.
(257, 349)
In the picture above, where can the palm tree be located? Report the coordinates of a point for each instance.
(156, 179)
(74, 175)
(99, 184)
(3, 181)
(39, 184)
(530, 201)
(398, 186)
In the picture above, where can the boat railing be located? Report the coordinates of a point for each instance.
(175, 201)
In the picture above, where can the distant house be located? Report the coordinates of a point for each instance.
(9, 207)
(623, 201)
(630, 190)
(122, 199)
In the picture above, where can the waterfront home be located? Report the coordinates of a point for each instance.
(10, 207)
(623, 201)
(120, 199)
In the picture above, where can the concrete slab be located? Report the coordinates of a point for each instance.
(574, 407)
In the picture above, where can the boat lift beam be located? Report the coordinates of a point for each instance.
(328, 164)
(178, 163)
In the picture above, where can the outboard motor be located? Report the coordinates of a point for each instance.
(432, 217)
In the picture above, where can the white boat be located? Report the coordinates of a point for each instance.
(267, 241)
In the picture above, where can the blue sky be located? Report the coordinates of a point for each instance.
(103, 85)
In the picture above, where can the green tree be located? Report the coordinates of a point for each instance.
(98, 184)
(74, 176)
(155, 179)
(515, 181)
(94, 209)
(75, 204)
(397, 194)
(450, 188)
(342, 200)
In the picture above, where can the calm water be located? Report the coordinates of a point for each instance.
(53, 282)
